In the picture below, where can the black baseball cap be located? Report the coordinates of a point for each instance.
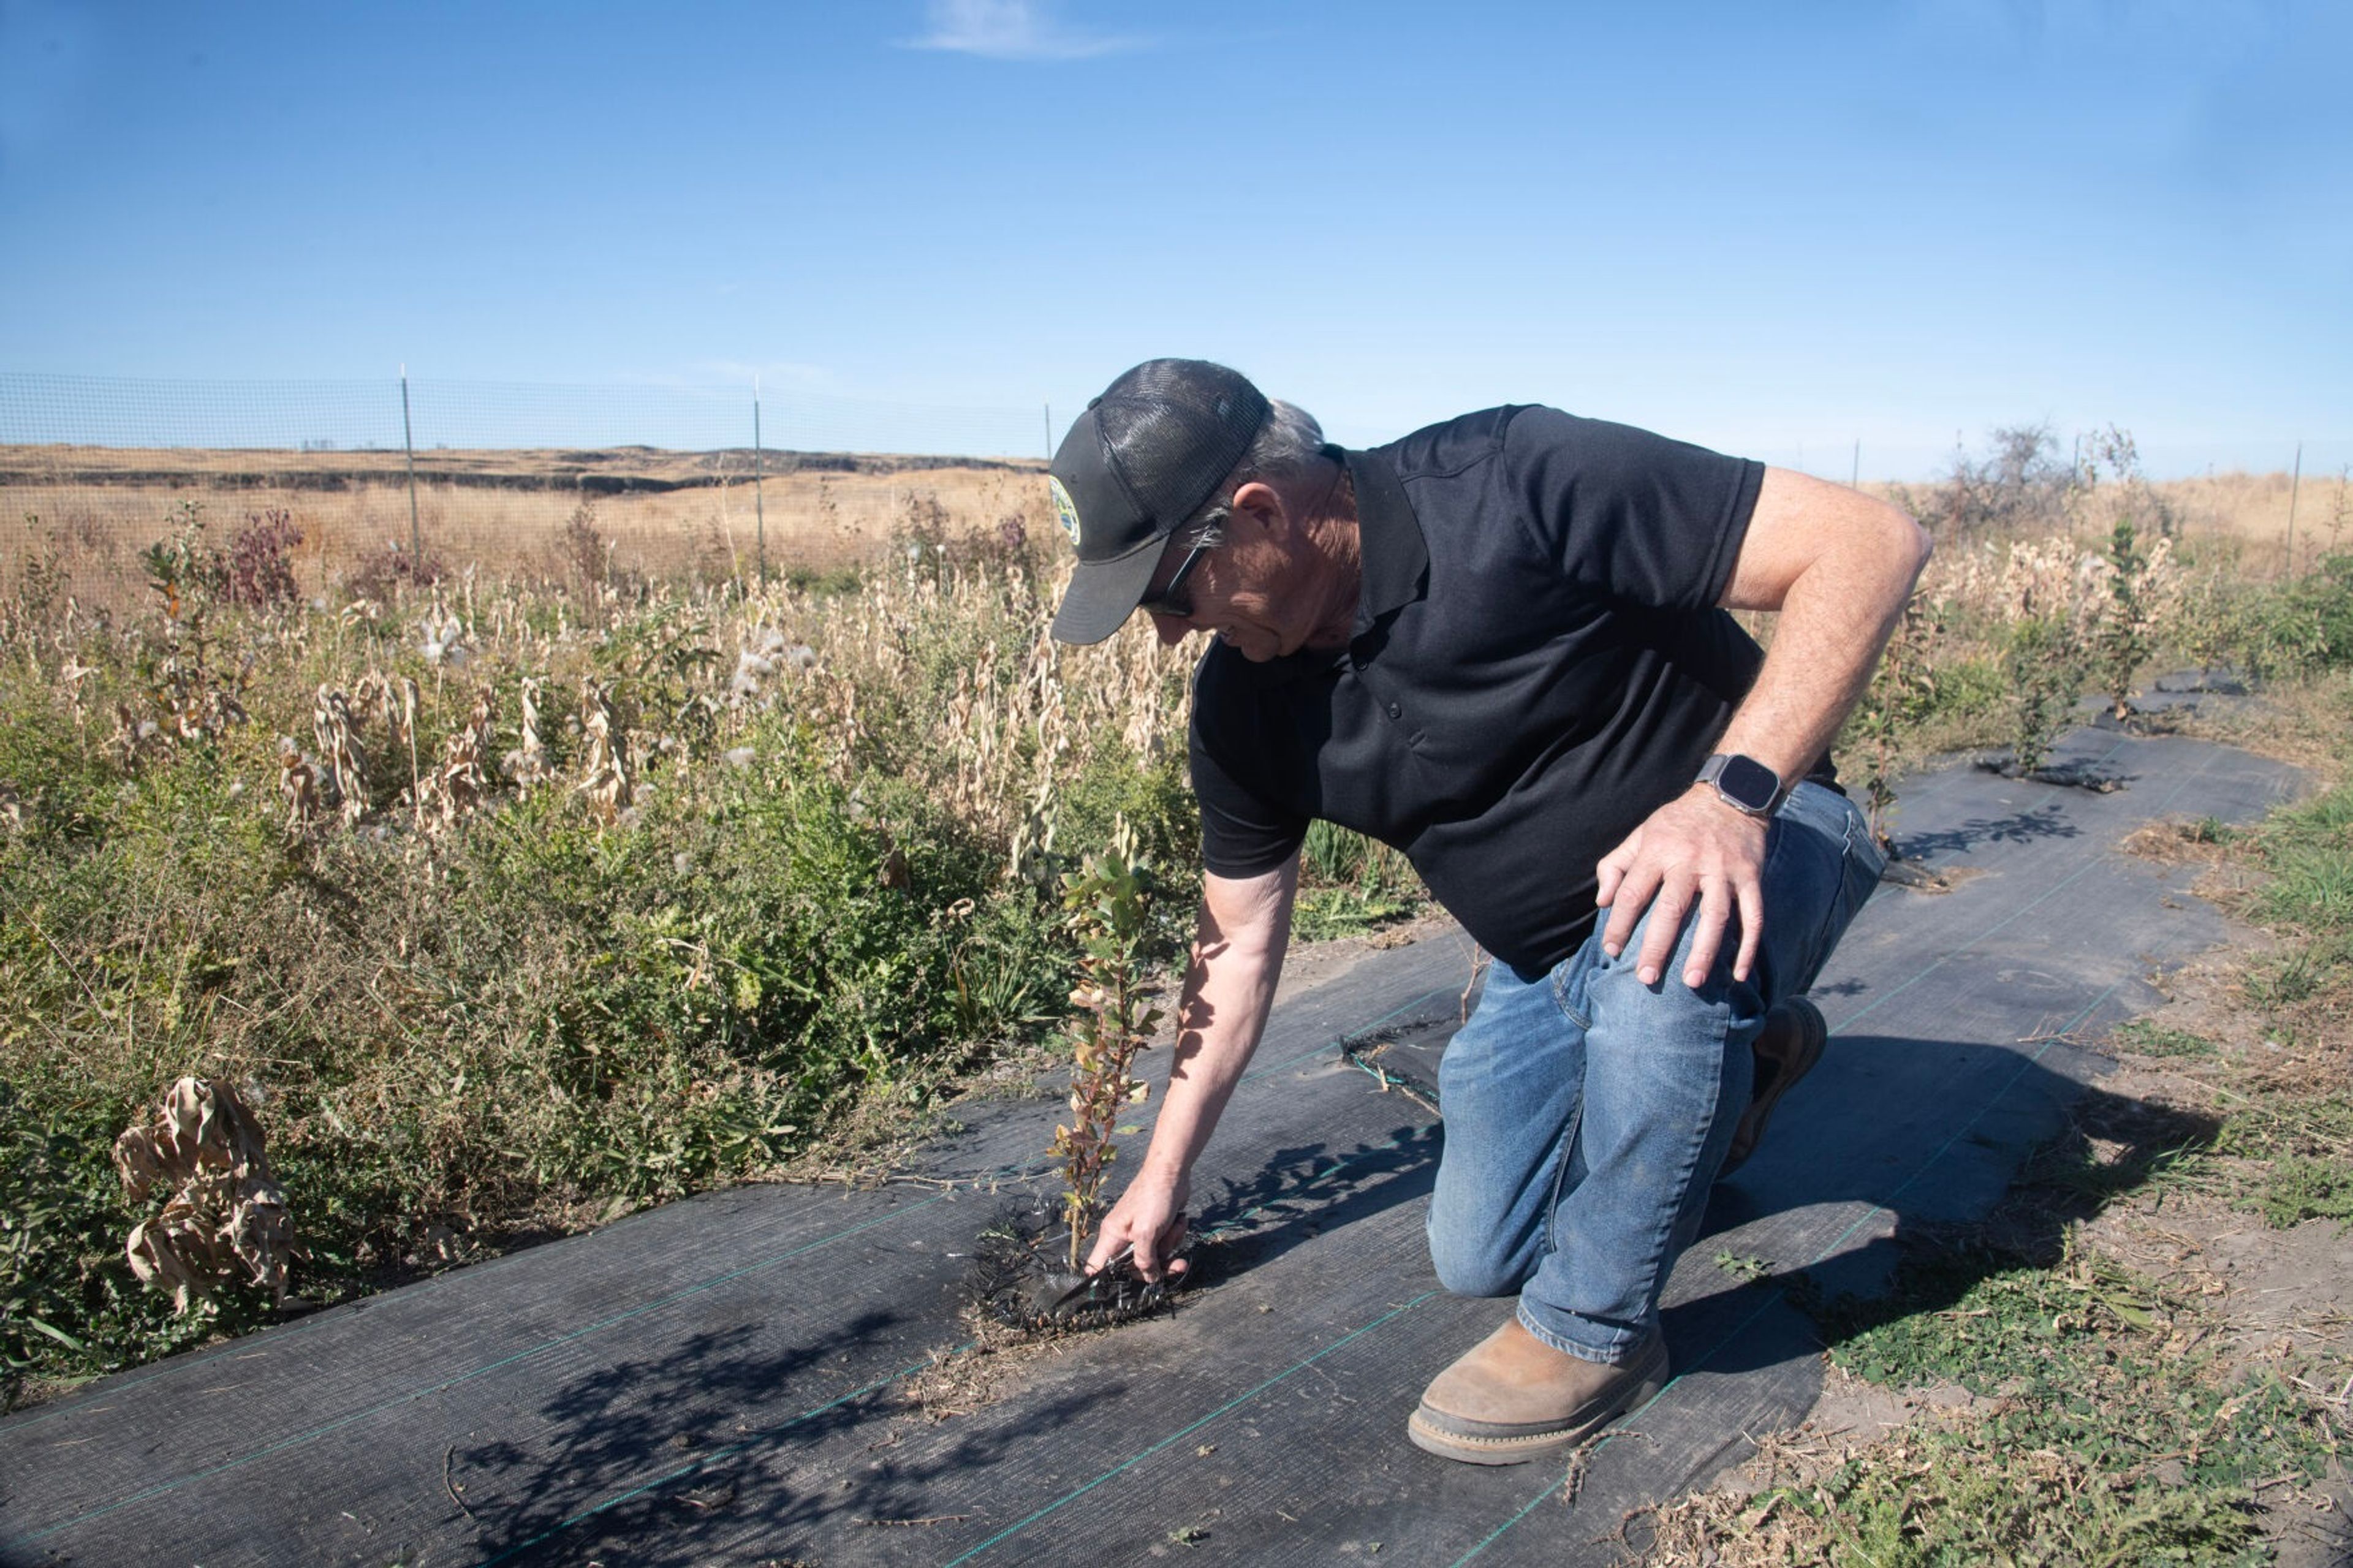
(1141, 459)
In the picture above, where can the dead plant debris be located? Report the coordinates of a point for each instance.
(203, 1149)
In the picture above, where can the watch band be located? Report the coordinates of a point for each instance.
(1743, 783)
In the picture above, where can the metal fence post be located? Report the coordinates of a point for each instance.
(2294, 485)
(408, 445)
(759, 506)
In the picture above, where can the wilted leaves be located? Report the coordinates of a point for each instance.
(203, 1150)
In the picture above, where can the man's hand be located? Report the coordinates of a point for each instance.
(1150, 1214)
(1230, 985)
(1694, 856)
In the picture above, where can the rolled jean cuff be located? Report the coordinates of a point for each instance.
(1603, 1343)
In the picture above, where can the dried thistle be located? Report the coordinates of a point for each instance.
(457, 787)
(72, 675)
(134, 739)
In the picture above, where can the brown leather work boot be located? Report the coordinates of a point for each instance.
(1514, 1398)
(1785, 1049)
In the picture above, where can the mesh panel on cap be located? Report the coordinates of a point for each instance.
(1175, 429)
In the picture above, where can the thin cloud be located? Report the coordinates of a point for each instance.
(1012, 30)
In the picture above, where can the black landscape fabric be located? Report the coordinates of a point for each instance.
(727, 1380)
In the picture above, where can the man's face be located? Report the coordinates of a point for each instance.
(1249, 591)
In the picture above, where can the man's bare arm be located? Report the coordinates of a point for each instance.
(1839, 567)
(1238, 948)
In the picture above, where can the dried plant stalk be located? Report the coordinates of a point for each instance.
(344, 763)
(606, 779)
(457, 787)
(527, 764)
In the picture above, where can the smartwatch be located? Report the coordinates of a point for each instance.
(1742, 782)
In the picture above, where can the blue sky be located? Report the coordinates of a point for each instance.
(1777, 229)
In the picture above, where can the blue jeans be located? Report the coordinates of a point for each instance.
(1587, 1112)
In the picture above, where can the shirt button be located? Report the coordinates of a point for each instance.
(1395, 711)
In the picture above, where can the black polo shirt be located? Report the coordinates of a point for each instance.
(1538, 663)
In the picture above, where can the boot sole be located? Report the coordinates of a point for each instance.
(1502, 1448)
(1813, 1033)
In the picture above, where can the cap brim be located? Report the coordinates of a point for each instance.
(1103, 594)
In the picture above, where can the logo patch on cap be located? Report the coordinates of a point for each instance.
(1066, 510)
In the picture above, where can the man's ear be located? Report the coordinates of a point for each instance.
(1261, 504)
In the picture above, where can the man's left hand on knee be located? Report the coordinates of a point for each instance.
(1694, 858)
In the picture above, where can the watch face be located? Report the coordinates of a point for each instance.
(1749, 784)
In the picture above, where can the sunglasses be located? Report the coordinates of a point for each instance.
(1172, 600)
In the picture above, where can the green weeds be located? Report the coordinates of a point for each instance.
(1350, 884)
(2145, 1037)
(2105, 1430)
(2103, 1424)
(543, 965)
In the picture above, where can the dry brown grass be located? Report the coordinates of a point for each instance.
(503, 514)
(504, 511)
(2251, 509)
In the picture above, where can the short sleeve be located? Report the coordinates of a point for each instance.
(1628, 514)
(1242, 834)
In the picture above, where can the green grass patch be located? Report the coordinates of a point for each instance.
(2145, 1037)
(1349, 885)
(2102, 1434)
(2297, 1189)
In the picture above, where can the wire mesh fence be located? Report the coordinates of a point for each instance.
(401, 478)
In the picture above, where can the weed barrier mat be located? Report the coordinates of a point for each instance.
(779, 1375)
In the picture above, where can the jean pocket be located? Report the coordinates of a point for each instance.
(1822, 867)
(1866, 863)
(1572, 980)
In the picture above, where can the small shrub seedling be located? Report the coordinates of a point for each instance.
(1110, 916)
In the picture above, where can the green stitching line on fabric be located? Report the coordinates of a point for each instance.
(1184, 1432)
(730, 1452)
(484, 1371)
(1010, 1173)
(738, 1448)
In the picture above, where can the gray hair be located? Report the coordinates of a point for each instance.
(1286, 446)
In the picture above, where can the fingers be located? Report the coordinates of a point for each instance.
(1752, 927)
(1690, 859)
(1635, 889)
(1612, 871)
(1108, 1241)
(1156, 1248)
(1154, 1254)
(1667, 910)
(1715, 907)
(1170, 1240)
(1147, 1257)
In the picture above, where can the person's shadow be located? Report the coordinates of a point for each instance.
(1981, 1161)
(1976, 1161)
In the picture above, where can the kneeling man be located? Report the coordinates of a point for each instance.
(1504, 644)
